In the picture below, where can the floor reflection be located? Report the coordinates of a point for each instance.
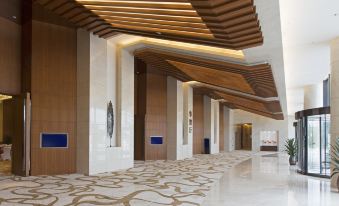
(267, 179)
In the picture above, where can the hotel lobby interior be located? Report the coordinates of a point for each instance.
(171, 102)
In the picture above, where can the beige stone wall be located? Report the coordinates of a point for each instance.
(334, 93)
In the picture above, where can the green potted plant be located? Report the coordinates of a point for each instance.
(291, 149)
(335, 160)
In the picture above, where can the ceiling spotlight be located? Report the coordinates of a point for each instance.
(14, 17)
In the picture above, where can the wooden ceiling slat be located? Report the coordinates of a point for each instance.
(229, 24)
(154, 21)
(271, 109)
(263, 87)
(140, 4)
(151, 16)
(137, 10)
(222, 8)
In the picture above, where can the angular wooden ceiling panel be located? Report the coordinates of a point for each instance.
(250, 88)
(267, 108)
(215, 77)
(254, 80)
(229, 24)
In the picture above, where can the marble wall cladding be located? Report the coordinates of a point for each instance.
(334, 94)
(229, 135)
(215, 127)
(179, 130)
(98, 105)
(260, 123)
(174, 118)
(211, 123)
(187, 148)
(83, 57)
(125, 110)
(208, 131)
(107, 79)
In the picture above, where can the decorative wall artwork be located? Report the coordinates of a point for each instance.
(268, 138)
(190, 121)
(110, 122)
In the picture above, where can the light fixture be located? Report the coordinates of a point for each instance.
(4, 97)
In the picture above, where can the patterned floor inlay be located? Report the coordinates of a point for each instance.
(152, 183)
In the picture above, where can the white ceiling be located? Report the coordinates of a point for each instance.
(308, 26)
(272, 49)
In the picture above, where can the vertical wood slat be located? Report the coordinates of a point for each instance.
(198, 123)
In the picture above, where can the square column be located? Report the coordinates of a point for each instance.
(187, 150)
(211, 123)
(334, 95)
(228, 130)
(104, 74)
(175, 118)
(179, 120)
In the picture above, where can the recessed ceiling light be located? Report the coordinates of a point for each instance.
(14, 17)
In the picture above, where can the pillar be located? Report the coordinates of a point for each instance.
(187, 150)
(334, 95)
(105, 74)
(211, 123)
(175, 117)
(228, 130)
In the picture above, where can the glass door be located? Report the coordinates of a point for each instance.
(325, 165)
(318, 145)
(313, 144)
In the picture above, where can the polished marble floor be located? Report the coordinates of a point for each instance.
(150, 183)
(268, 180)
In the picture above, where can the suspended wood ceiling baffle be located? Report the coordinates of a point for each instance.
(250, 81)
(231, 24)
(254, 80)
(271, 109)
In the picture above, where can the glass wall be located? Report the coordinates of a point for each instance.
(313, 139)
(318, 144)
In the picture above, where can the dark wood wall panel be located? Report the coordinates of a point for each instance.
(139, 109)
(198, 123)
(156, 116)
(221, 127)
(8, 119)
(53, 88)
(10, 57)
